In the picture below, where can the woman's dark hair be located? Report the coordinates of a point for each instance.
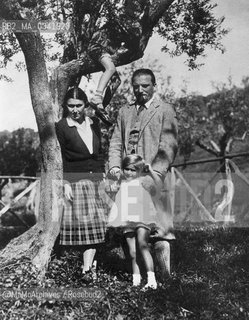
(147, 72)
(73, 93)
(133, 159)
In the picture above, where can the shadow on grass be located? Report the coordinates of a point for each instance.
(209, 281)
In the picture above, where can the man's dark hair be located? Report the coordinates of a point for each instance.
(144, 71)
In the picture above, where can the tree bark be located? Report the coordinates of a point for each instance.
(38, 241)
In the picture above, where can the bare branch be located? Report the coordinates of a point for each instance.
(241, 138)
(206, 148)
(68, 73)
(229, 145)
(215, 146)
(232, 140)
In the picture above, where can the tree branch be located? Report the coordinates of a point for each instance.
(232, 140)
(76, 68)
(241, 138)
(157, 10)
(65, 75)
(229, 145)
(206, 148)
(11, 10)
(215, 146)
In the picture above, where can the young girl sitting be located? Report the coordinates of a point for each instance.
(134, 211)
(115, 37)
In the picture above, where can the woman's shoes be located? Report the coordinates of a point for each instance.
(89, 276)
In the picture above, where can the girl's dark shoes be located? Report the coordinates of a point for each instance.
(101, 114)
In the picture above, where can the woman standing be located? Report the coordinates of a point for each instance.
(84, 217)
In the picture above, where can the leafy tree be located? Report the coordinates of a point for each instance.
(215, 122)
(19, 153)
(190, 25)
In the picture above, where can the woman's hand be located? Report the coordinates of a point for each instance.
(68, 192)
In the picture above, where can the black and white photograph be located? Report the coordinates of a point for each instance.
(124, 159)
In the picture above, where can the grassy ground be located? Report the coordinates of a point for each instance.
(210, 272)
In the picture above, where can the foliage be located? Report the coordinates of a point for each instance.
(189, 26)
(209, 281)
(221, 117)
(228, 111)
(188, 109)
(19, 152)
(9, 47)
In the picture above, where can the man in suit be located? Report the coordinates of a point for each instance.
(147, 127)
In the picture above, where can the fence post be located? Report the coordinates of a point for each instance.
(229, 194)
(172, 190)
(191, 191)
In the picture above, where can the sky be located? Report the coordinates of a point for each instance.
(15, 103)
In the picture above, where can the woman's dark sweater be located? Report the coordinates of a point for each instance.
(77, 160)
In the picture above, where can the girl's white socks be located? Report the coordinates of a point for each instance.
(151, 280)
(136, 279)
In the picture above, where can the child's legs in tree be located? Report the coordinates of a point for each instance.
(111, 88)
(110, 69)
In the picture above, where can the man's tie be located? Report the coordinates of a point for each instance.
(140, 109)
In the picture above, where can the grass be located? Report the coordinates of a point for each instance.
(209, 281)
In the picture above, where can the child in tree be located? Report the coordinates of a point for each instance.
(115, 37)
(134, 211)
(103, 55)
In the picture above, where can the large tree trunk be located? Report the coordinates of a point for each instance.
(38, 242)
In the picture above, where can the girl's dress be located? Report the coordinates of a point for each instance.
(133, 207)
(84, 219)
